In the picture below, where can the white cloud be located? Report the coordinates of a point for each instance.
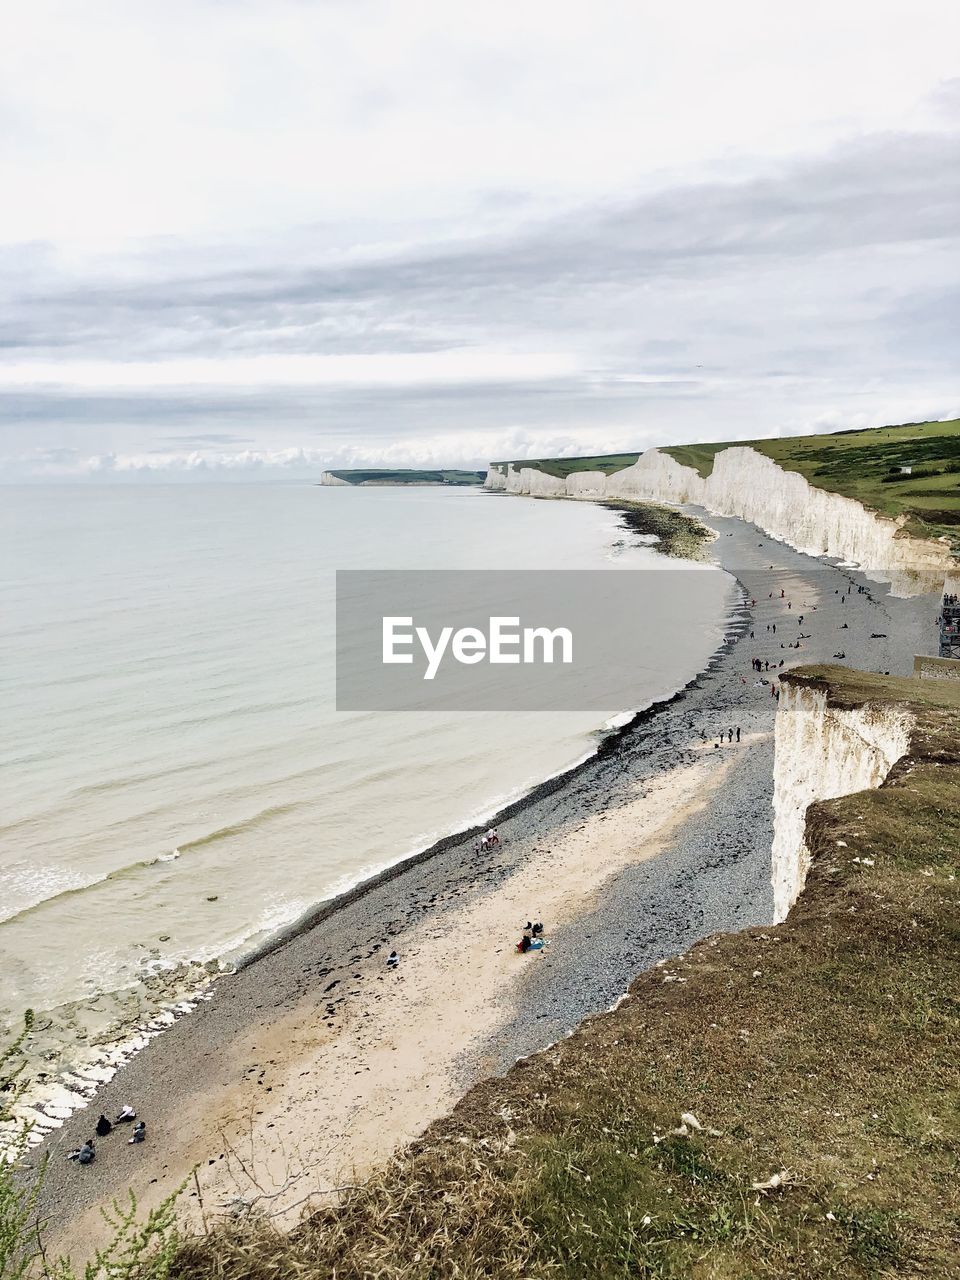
(398, 370)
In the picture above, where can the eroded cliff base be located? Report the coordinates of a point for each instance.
(782, 1102)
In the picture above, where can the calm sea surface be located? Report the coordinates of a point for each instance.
(176, 784)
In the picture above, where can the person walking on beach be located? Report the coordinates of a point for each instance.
(738, 733)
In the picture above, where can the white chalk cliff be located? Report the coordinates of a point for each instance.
(746, 484)
(823, 752)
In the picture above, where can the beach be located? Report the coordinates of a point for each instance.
(312, 1064)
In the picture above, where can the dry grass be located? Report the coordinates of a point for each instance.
(824, 1050)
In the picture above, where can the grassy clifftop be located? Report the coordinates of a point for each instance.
(779, 1103)
(608, 463)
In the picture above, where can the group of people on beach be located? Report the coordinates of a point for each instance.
(88, 1152)
(532, 938)
(489, 840)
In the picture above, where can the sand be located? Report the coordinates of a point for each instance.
(309, 1067)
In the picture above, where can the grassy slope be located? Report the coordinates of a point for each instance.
(608, 463)
(379, 476)
(855, 464)
(826, 1047)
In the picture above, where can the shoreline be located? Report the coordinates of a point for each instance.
(625, 829)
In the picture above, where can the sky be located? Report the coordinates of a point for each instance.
(250, 239)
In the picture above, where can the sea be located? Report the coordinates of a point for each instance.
(177, 784)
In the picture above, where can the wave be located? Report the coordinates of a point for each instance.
(240, 828)
(72, 890)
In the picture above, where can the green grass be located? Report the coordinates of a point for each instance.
(824, 1048)
(380, 476)
(608, 463)
(860, 465)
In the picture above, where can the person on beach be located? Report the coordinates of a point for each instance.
(392, 960)
(125, 1115)
(103, 1126)
(139, 1132)
(523, 946)
(738, 733)
(537, 929)
(87, 1153)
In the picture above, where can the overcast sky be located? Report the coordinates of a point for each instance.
(244, 238)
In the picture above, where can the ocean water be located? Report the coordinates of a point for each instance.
(176, 783)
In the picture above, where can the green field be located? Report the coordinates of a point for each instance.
(380, 476)
(857, 464)
(608, 463)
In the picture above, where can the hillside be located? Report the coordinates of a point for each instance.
(375, 476)
(778, 1103)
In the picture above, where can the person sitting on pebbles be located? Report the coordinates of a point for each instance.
(139, 1132)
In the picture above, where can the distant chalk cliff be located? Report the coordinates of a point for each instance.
(746, 484)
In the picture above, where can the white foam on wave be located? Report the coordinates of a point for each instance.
(26, 884)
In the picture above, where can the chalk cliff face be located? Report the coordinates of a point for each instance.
(327, 477)
(746, 484)
(823, 752)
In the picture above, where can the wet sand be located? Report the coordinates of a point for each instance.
(311, 1065)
